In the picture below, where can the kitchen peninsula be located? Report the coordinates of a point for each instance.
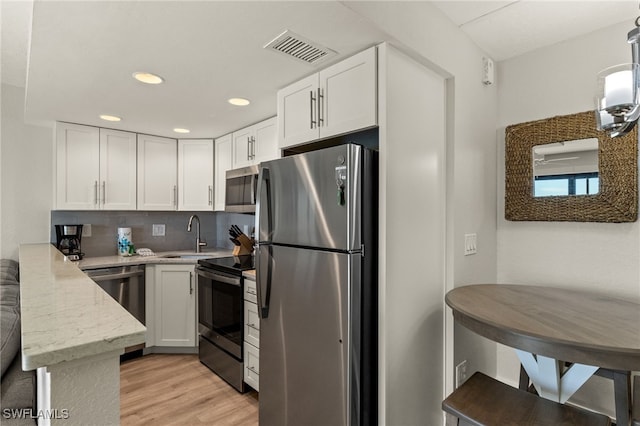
(73, 334)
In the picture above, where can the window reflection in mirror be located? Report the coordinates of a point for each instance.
(566, 168)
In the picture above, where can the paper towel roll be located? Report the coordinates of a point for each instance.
(124, 241)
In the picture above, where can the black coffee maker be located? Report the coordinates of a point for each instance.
(68, 240)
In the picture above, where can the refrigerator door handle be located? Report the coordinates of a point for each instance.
(263, 308)
(264, 178)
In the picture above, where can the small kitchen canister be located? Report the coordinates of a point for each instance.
(124, 241)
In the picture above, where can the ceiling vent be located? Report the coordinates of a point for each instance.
(297, 47)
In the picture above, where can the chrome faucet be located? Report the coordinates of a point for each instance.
(199, 242)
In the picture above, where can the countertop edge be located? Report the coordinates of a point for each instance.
(65, 316)
(159, 258)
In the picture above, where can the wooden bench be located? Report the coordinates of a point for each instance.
(483, 401)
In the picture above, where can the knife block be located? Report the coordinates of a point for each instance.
(245, 247)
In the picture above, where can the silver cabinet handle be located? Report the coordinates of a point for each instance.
(210, 195)
(319, 107)
(253, 326)
(104, 192)
(253, 369)
(248, 148)
(175, 195)
(312, 101)
(190, 282)
(95, 192)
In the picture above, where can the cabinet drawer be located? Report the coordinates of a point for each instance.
(252, 366)
(251, 324)
(250, 292)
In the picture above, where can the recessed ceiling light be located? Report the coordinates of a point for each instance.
(179, 130)
(110, 117)
(239, 101)
(147, 77)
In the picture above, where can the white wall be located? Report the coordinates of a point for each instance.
(421, 30)
(558, 80)
(26, 168)
(412, 191)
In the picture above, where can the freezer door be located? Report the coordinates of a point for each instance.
(312, 199)
(309, 346)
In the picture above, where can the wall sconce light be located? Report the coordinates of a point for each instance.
(618, 101)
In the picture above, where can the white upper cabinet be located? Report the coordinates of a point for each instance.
(255, 143)
(195, 174)
(297, 112)
(95, 168)
(348, 99)
(223, 162)
(265, 145)
(242, 141)
(339, 99)
(157, 173)
(77, 163)
(117, 170)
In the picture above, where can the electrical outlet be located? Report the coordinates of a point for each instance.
(461, 373)
(470, 244)
(86, 230)
(158, 230)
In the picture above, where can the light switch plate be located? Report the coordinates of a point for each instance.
(86, 230)
(470, 244)
(158, 230)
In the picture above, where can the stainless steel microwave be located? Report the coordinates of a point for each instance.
(240, 190)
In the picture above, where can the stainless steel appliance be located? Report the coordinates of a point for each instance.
(126, 285)
(316, 221)
(68, 239)
(240, 190)
(221, 316)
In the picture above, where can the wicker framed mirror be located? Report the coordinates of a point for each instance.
(616, 199)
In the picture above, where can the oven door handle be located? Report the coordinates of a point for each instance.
(220, 278)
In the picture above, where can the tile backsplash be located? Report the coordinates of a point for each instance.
(214, 228)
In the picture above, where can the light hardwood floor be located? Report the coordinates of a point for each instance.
(179, 390)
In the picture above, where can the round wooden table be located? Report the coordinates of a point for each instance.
(548, 326)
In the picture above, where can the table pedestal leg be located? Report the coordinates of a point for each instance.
(548, 378)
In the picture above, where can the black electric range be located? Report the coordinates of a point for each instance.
(221, 316)
(231, 265)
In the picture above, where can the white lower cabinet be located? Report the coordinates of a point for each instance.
(251, 336)
(252, 366)
(171, 306)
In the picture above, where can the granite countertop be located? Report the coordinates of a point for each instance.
(160, 257)
(65, 315)
(251, 274)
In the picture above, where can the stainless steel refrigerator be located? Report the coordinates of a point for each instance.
(316, 261)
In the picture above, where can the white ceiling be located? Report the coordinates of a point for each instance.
(505, 29)
(82, 53)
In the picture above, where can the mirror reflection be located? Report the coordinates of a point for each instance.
(566, 168)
